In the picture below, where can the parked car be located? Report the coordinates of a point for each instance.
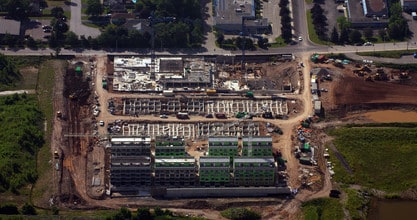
(101, 123)
(163, 116)
(368, 44)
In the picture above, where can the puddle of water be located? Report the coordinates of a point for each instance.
(393, 210)
(391, 116)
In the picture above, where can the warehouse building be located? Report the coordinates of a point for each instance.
(223, 146)
(254, 171)
(258, 146)
(214, 171)
(169, 147)
(178, 172)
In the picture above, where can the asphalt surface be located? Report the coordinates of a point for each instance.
(76, 25)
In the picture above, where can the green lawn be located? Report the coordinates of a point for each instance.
(323, 209)
(381, 158)
(311, 32)
(279, 42)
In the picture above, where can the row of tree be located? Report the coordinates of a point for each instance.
(286, 29)
(319, 21)
(12, 209)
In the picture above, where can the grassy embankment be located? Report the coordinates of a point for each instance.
(387, 54)
(383, 157)
(42, 191)
(324, 209)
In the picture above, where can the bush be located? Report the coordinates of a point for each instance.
(28, 209)
(9, 209)
(240, 214)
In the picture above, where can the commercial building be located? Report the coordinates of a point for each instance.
(251, 171)
(258, 146)
(178, 172)
(368, 13)
(169, 147)
(229, 14)
(130, 163)
(223, 146)
(214, 171)
(409, 5)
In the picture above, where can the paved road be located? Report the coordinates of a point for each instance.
(75, 23)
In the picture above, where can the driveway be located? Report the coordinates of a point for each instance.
(75, 23)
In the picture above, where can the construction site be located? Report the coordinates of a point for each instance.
(142, 128)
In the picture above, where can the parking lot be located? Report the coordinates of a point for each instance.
(192, 130)
(201, 106)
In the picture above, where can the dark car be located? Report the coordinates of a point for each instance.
(334, 193)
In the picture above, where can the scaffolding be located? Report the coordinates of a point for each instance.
(251, 171)
(169, 147)
(178, 172)
(223, 146)
(214, 171)
(257, 146)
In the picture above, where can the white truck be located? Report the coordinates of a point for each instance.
(414, 15)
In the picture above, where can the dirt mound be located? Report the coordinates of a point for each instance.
(353, 90)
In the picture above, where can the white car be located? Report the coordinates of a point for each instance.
(163, 116)
(101, 123)
(300, 38)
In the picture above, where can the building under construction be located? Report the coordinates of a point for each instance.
(254, 171)
(175, 172)
(223, 146)
(130, 163)
(259, 146)
(215, 171)
(169, 147)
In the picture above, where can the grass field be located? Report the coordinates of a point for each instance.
(322, 209)
(384, 158)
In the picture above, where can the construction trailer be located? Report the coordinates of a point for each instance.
(214, 171)
(317, 107)
(130, 163)
(223, 146)
(258, 146)
(169, 147)
(314, 88)
(254, 171)
(175, 172)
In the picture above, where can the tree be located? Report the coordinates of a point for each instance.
(17, 9)
(28, 209)
(9, 209)
(72, 39)
(263, 43)
(144, 214)
(343, 23)
(94, 7)
(158, 211)
(355, 36)
(344, 36)
(334, 37)
(55, 210)
(57, 12)
(368, 33)
(123, 214)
